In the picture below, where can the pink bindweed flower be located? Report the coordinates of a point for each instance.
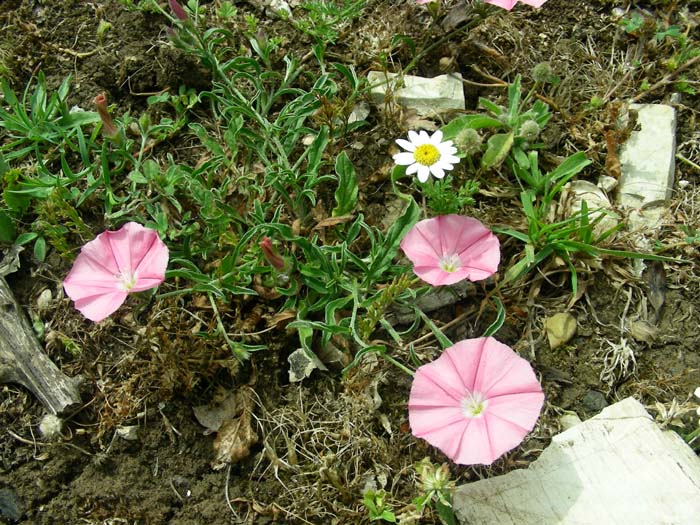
(450, 248)
(475, 402)
(509, 4)
(113, 265)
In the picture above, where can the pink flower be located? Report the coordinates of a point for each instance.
(475, 402)
(450, 248)
(509, 4)
(113, 265)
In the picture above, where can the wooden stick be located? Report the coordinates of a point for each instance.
(23, 361)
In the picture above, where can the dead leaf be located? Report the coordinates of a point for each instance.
(333, 221)
(236, 435)
(213, 415)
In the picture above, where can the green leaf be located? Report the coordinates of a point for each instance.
(389, 247)
(500, 318)
(40, 249)
(497, 150)
(7, 228)
(451, 130)
(347, 191)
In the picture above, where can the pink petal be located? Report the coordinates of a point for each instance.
(508, 4)
(502, 371)
(520, 409)
(95, 282)
(481, 366)
(431, 239)
(436, 276)
(98, 307)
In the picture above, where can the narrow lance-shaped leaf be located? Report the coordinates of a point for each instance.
(347, 191)
(389, 247)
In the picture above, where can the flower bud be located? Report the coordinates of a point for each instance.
(542, 73)
(529, 130)
(468, 141)
(178, 10)
(110, 130)
(272, 256)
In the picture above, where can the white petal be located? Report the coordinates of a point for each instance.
(437, 171)
(409, 146)
(450, 159)
(414, 137)
(443, 165)
(449, 150)
(404, 159)
(412, 169)
(423, 172)
(437, 137)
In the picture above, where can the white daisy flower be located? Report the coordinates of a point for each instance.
(426, 154)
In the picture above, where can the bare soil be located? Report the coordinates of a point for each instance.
(322, 441)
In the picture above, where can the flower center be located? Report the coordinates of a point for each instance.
(450, 263)
(474, 405)
(426, 154)
(126, 280)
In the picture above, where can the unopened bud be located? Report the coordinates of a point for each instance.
(178, 10)
(542, 73)
(271, 254)
(468, 141)
(529, 130)
(110, 130)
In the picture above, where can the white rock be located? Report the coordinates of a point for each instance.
(618, 467)
(647, 159)
(428, 96)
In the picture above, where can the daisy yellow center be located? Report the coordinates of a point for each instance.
(127, 281)
(426, 154)
(450, 263)
(474, 405)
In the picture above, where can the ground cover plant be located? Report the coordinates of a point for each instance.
(288, 302)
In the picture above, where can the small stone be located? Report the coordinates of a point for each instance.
(129, 433)
(642, 331)
(301, 365)
(44, 300)
(359, 112)
(594, 401)
(569, 420)
(607, 183)
(561, 328)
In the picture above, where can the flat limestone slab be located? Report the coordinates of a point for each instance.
(428, 96)
(648, 158)
(617, 468)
